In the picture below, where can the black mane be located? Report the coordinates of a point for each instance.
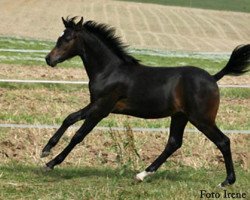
(107, 35)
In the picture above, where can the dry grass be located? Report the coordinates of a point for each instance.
(234, 113)
(115, 149)
(52, 104)
(41, 72)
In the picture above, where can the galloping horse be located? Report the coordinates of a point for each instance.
(119, 83)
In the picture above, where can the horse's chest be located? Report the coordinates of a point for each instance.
(99, 89)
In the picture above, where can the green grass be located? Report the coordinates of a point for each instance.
(26, 58)
(235, 93)
(22, 43)
(37, 58)
(228, 5)
(20, 181)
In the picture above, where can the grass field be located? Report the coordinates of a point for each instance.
(103, 166)
(101, 183)
(95, 170)
(228, 5)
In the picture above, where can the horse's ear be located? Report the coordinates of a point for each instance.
(64, 22)
(80, 23)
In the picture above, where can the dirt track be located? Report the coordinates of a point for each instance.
(140, 25)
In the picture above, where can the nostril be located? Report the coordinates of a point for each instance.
(47, 58)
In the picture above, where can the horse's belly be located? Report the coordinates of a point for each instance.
(144, 108)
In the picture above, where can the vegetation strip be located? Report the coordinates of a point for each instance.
(220, 5)
(24, 50)
(46, 126)
(154, 52)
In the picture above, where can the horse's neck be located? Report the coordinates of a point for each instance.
(97, 57)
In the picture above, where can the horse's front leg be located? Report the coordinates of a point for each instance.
(70, 120)
(97, 111)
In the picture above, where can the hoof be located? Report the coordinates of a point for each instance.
(140, 177)
(46, 169)
(44, 154)
(224, 184)
(221, 186)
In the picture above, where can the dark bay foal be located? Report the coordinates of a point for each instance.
(118, 83)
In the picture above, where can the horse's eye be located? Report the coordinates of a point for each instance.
(67, 39)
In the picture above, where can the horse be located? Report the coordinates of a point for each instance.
(120, 84)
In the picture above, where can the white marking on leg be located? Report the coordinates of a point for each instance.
(142, 175)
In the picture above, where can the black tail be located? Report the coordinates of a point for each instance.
(238, 63)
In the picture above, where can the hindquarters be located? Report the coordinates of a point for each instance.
(201, 96)
(202, 103)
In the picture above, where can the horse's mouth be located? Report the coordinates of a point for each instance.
(51, 62)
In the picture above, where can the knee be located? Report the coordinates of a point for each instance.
(174, 143)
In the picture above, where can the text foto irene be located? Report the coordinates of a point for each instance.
(224, 194)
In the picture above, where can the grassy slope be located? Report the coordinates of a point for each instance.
(228, 5)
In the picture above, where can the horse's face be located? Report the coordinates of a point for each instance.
(66, 46)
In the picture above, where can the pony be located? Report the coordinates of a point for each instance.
(120, 84)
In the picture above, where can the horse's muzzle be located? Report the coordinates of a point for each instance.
(49, 62)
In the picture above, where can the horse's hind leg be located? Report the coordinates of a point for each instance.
(177, 126)
(70, 120)
(223, 143)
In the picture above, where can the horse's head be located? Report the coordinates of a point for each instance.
(67, 44)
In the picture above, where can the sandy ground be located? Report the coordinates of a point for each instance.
(140, 25)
